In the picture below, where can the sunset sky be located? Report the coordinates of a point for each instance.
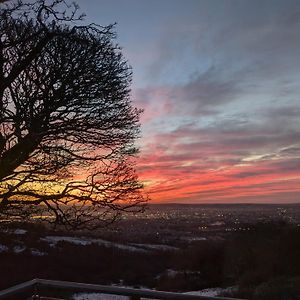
(220, 85)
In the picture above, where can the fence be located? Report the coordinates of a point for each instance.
(35, 287)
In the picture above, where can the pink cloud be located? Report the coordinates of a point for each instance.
(201, 165)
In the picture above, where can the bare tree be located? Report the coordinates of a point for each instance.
(67, 125)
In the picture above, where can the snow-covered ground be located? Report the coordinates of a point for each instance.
(3, 248)
(211, 292)
(37, 252)
(53, 240)
(19, 248)
(194, 239)
(83, 241)
(156, 247)
(20, 231)
(98, 296)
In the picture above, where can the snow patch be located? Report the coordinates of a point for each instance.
(53, 240)
(197, 238)
(20, 231)
(3, 248)
(212, 292)
(18, 249)
(97, 296)
(156, 247)
(37, 252)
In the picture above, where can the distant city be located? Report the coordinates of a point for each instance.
(176, 223)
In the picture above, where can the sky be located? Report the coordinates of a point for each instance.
(219, 82)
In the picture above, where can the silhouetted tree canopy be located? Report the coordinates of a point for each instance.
(67, 125)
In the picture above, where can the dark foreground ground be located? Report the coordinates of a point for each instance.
(255, 249)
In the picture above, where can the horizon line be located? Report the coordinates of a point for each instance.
(218, 203)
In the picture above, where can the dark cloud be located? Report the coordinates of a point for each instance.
(206, 93)
(249, 48)
(282, 167)
(289, 112)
